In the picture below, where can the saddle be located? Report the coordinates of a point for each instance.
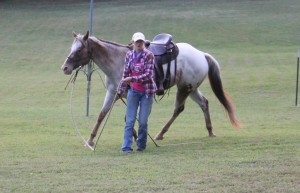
(165, 51)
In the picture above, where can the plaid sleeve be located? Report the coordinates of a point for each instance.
(123, 86)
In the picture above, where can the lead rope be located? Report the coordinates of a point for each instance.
(111, 107)
(73, 80)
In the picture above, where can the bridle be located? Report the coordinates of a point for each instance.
(90, 56)
(80, 67)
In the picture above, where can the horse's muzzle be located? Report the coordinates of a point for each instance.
(67, 70)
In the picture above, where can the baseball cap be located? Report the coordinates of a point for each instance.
(138, 36)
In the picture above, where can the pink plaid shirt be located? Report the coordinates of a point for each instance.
(142, 64)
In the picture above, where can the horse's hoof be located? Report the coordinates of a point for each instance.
(160, 92)
(135, 138)
(91, 143)
(158, 137)
(212, 135)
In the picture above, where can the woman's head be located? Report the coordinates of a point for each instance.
(138, 40)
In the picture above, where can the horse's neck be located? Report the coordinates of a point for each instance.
(109, 57)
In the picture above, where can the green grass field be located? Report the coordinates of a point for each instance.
(256, 43)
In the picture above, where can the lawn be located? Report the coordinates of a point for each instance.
(256, 43)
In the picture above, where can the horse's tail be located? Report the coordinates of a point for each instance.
(217, 87)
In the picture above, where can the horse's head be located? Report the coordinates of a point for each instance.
(79, 54)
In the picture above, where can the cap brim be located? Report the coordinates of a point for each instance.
(135, 40)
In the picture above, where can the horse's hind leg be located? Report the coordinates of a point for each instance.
(203, 103)
(179, 107)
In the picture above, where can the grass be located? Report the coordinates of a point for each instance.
(256, 43)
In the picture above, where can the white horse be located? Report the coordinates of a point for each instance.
(192, 68)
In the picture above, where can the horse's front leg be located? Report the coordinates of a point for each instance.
(109, 99)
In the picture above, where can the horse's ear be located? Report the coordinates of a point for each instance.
(86, 36)
(74, 34)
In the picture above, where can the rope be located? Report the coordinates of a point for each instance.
(73, 80)
(71, 109)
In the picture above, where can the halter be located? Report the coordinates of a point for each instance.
(90, 56)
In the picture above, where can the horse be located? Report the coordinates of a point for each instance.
(193, 66)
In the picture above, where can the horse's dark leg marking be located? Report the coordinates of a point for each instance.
(179, 107)
(203, 103)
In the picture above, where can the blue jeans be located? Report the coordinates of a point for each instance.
(137, 100)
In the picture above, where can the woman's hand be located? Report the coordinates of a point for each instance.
(127, 80)
(120, 94)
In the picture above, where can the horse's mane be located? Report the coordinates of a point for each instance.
(108, 42)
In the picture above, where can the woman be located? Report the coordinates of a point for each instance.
(138, 75)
